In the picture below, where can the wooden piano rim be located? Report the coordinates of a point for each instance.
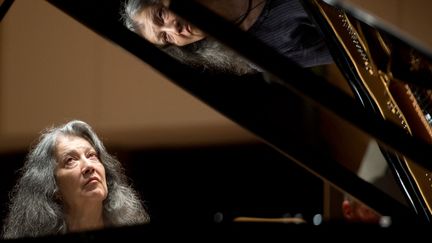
(269, 220)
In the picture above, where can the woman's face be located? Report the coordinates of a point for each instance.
(162, 27)
(79, 173)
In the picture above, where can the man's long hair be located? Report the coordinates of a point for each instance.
(35, 209)
(209, 55)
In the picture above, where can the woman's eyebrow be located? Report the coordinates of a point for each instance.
(67, 154)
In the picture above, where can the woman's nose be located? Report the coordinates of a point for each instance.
(88, 167)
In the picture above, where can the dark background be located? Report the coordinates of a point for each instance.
(192, 184)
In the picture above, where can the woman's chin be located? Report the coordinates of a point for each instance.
(96, 194)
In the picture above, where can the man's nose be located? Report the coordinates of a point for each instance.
(172, 26)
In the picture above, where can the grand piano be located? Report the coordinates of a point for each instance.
(389, 75)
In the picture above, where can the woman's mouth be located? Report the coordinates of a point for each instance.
(91, 180)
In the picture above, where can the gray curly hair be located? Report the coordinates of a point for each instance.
(34, 209)
(207, 54)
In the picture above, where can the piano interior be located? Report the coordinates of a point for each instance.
(278, 150)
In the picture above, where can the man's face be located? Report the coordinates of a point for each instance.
(162, 27)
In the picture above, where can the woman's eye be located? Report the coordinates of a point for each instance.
(69, 161)
(92, 156)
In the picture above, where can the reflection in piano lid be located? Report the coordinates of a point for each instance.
(261, 108)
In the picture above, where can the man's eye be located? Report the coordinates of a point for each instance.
(161, 15)
(165, 37)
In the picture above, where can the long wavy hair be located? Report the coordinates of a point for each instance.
(206, 55)
(35, 210)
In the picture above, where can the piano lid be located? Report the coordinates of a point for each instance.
(4, 7)
(262, 108)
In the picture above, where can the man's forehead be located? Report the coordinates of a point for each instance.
(145, 23)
